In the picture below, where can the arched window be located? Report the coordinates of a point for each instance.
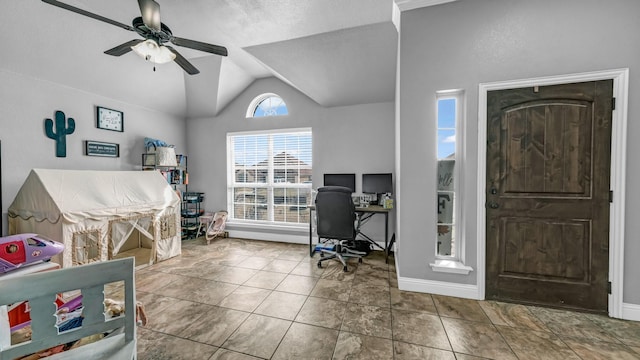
(267, 105)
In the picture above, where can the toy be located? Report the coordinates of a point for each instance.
(91, 280)
(115, 308)
(21, 250)
(216, 226)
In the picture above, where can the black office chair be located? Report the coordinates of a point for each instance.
(336, 216)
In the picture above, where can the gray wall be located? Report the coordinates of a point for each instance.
(354, 139)
(461, 44)
(454, 45)
(24, 104)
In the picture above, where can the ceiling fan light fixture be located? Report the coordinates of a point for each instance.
(151, 51)
(155, 33)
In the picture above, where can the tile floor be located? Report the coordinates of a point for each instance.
(242, 299)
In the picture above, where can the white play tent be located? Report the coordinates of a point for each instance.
(100, 215)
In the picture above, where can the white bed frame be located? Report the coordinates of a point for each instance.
(40, 289)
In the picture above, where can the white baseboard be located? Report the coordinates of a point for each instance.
(259, 235)
(439, 288)
(630, 312)
(281, 237)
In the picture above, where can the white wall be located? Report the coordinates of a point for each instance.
(354, 139)
(464, 43)
(25, 103)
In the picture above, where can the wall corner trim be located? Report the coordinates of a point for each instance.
(439, 288)
(630, 312)
(404, 5)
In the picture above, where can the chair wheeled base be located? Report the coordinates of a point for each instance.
(341, 253)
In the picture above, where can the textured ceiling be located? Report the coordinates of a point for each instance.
(336, 52)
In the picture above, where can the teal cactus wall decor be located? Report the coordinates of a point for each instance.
(62, 130)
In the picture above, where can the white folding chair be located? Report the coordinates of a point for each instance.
(216, 226)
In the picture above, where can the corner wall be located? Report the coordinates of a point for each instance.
(353, 139)
(461, 44)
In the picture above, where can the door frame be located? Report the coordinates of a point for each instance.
(618, 172)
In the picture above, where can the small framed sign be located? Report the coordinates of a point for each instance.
(97, 148)
(109, 119)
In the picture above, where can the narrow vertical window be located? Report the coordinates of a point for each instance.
(448, 115)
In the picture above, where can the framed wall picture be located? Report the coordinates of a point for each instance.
(109, 119)
(98, 148)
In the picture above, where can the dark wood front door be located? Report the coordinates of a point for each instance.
(547, 209)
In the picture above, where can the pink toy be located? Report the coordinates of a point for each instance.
(26, 249)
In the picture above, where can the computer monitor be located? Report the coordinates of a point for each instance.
(346, 180)
(377, 183)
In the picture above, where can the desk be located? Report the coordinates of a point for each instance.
(363, 214)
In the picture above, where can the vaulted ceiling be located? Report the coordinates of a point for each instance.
(336, 52)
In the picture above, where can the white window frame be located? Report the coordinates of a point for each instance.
(454, 264)
(260, 98)
(269, 185)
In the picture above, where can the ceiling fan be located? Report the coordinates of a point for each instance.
(155, 34)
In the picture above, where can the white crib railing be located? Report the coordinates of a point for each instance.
(40, 289)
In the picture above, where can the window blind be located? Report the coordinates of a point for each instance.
(270, 176)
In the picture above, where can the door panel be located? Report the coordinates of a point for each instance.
(545, 149)
(548, 164)
(546, 249)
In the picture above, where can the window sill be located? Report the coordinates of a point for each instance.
(451, 266)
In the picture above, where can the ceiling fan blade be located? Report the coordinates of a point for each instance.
(184, 63)
(197, 45)
(150, 11)
(89, 14)
(123, 48)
